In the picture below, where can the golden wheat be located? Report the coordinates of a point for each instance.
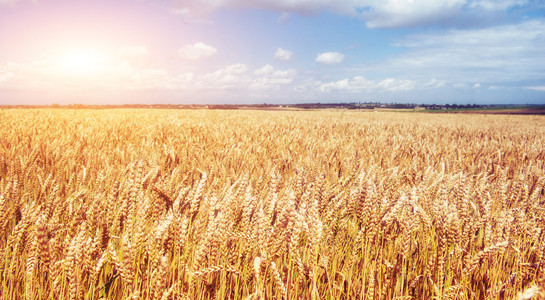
(196, 204)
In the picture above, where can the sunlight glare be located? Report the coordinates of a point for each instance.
(82, 62)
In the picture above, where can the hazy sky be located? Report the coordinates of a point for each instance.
(273, 51)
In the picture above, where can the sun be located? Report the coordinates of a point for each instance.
(82, 62)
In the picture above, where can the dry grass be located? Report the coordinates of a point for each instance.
(140, 204)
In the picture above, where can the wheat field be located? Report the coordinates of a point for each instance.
(198, 204)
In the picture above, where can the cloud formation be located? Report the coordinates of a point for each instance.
(497, 55)
(361, 84)
(330, 58)
(380, 13)
(265, 70)
(239, 77)
(283, 55)
(268, 78)
(537, 88)
(447, 13)
(197, 51)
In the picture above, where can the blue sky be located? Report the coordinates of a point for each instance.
(272, 51)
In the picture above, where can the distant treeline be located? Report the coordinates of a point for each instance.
(350, 105)
(374, 105)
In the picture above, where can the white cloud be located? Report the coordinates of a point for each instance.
(456, 13)
(229, 77)
(399, 13)
(361, 84)
(329, 58)
(283, 55)
(197, 51)
(501, 55)
(459, 85)
(496, 4)
(434, 83)
(122, 77)
(396, 85)
(537, 88)
(268, 78)
(236, 69)
(377, 13)
(476, 85)
(237, 77)
(205, 7)
(265, 70)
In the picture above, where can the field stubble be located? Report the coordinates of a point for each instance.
(165, 204)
